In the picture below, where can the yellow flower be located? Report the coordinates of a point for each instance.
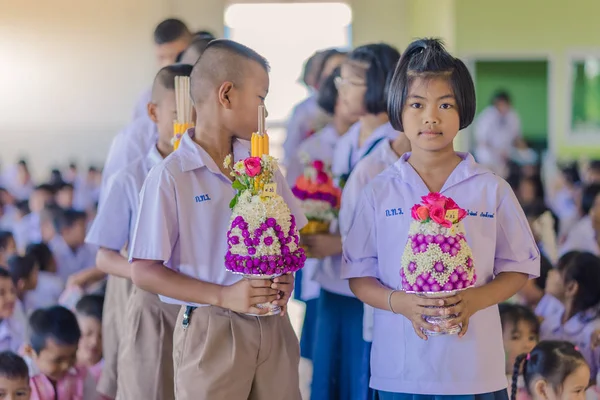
(227, 161)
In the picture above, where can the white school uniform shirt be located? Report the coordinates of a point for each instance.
(27, 230)
(69, 262)
(346, 156)
(299, 126)
(184, 214)
(114, 225)
(497, 232)
(347, 153)
(8, 221)
(47, 292)
(368, 168)
(582, 237)
(319, 146)
(12, 334)
(130, 144)
(577, 330)
(495, 135)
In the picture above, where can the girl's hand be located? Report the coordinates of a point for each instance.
(285, 285)
(465, 304)
(414, 307)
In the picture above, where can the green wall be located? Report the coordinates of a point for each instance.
(527, 84)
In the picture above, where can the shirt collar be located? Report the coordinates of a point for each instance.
(153, 157)
(193, 156)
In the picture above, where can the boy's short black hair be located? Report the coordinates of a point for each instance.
(204, 35)
(594, 165)
(199, 44)
(169, 31)
(588, 196)
(72, 165)
(5, 237)
(4, 274)
(427, 58)
(56, 323)
(23, 207)
(381, 58)
(12, 366)
(165, 77)
(41, 253)
(92, 168)
(20, 267)
(501, 95)
(67, 218)
(45, 187)
(328, 93)
(90, 306)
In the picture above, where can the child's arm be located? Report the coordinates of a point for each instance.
(86, 277)
(240, 297)
(113, 263)
(323, 245)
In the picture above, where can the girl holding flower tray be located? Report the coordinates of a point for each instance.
(431, 98)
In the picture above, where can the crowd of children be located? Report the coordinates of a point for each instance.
(175, 325)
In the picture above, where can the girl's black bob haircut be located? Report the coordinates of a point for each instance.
(427, 58)
(382, 59)
(328, 93)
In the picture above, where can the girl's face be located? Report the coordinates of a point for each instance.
(430, 115)
(89, 352)
(8, 297)
(555, 284)
(352, 86)
(573, 388)
(517, 340)
(526, 192)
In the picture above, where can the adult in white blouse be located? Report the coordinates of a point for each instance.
(497, 129)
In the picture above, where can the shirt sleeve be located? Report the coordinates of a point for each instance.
(548, 305)
(516, 250)
(89, 387)
(111, 226)
(157, 227)
(350, 196)
(360, 246)
(291, 200)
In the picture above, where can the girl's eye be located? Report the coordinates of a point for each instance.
(416, 105)
(446, 106)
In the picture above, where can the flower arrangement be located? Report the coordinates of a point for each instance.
(320, 198)
(437, 257)
(263, 239)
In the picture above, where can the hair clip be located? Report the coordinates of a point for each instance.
(528, 356)
(576, 348)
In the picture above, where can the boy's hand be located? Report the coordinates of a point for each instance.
(285, 285)
(243, 296)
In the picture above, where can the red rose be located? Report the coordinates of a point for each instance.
(318, 165)
(451, 205)
(462, 213)
(322, 178)
(252, 165)
(438, 215)
(434, 200)
(413, 212)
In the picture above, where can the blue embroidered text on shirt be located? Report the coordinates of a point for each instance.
(392, 212)
(482, 214)
(202, 198)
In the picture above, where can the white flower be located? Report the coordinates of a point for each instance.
(227, 161)
(239, 167)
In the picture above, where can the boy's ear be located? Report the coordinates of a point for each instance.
(28, 350)
(152, 113)
(21, 285)
(225, 90)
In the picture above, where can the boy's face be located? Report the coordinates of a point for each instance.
(163, 113)
(75, 234)
(9, 250)
(14, 388)
(31, 282)
(38, 200)
(64, 198)
(244, 97)
(167, 53)
(90, 344)
(8, 297)
(55, 359)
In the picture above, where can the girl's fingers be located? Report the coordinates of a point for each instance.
(419, 331)
(464, 328)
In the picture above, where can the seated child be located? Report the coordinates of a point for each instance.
(12, 328)
(51, 352)
(24, 272)
(64, 196)
(27, 230)
(89, 316)
(570, 306)
(8, 246)
(552, 370)
(14, 377)
(520, 334)
(49, 285)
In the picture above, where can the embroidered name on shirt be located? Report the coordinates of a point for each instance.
(482, 214)
(202, 198)
(392, 212)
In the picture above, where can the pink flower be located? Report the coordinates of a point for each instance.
(434, 200)
(413, 212)
(318, 165)
(438, 215)
(451, 205)
(423, 213)
(252, 165)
